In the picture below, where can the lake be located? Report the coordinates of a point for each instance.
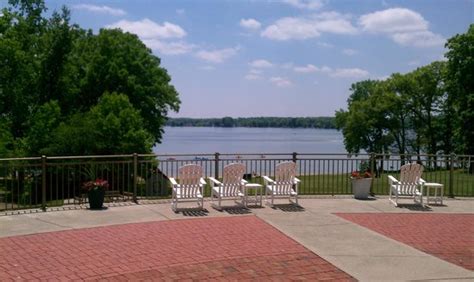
(202, 140)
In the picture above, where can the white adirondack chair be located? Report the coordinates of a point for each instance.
(285, 184)
(407, 186)
(190, 187)
(231, 186)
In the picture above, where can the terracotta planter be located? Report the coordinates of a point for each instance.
(361, 187)
(96, 198)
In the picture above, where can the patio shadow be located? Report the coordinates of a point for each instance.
(414, 207)
(194, 212)
(288, 208)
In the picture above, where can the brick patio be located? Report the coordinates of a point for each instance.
(446, 236)
(241, 247)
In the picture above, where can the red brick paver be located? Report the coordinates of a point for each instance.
(213, 248)
(446, 236)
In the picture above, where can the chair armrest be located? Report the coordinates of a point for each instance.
(268, 179)
(173, 181)
(421, 181)
(203, 182)
(215, 181)
(393, 180)
(296, 180)
(243, 181)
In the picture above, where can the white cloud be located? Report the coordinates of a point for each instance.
(100, 9)
(180, 12)
(169, 48)
(305, 4)
(254, 71)
(250, 24)
(350, 73)
(156, 36)
(217, 56)
(325, 69)
(309, 68)
(333, 22)
(251, 76)
(404, 26)
(149, 29)
(349, 52)
(291, 28)
(306, 69)
(260, 64)
(418, 39)
(393, 20)
(288, 65)
(308, 27)
(280, 81)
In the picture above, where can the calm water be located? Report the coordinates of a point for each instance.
(200, 140)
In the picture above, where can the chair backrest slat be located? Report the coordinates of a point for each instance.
(410, 175)
(232, 178)
(285, 174)
(189, 180)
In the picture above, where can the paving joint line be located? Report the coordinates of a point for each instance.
(55, 224)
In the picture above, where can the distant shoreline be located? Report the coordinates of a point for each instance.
(255, 122)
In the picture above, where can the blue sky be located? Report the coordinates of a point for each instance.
(278, 58)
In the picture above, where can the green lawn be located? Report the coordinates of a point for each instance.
(328, 184)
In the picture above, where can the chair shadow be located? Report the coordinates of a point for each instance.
(366, 199)
(289, 208)
(237, 210)
(193, 212)
(414, 207)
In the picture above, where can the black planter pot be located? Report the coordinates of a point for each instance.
(96, 199)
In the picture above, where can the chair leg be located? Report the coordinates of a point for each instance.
(174, 206)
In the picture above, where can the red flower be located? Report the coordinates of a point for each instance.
(94, 185)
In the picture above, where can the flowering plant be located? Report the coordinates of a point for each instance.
(362, 172)
(95, 185)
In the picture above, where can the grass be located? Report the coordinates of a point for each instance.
(333, 184)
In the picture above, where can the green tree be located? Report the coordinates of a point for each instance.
(460, 84)
(227, 122)
(40, 133)
(112, 126)
(114, 61)
(364, 124)
(53, 74)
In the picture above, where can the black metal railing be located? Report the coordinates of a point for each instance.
(41, 182)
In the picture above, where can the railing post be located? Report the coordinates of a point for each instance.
(216, 165)
(451, 175)
(295, 158)
(135, 177)
(372, 171)
(43, 182)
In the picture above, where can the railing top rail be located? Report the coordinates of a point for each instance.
(348, 155)
(89, 157)
(175, 155)
(21, 159)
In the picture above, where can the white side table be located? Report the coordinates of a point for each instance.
(257, 193)
(437, 187)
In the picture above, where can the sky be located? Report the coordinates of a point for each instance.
(287, 58)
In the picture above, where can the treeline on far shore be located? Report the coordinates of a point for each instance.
(286, 122)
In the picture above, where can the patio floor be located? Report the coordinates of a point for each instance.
(243, 247)
(334, 238)
(447, 236)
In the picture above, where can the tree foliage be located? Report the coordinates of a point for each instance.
(428, 110)
(286, 122)
(54, 83)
